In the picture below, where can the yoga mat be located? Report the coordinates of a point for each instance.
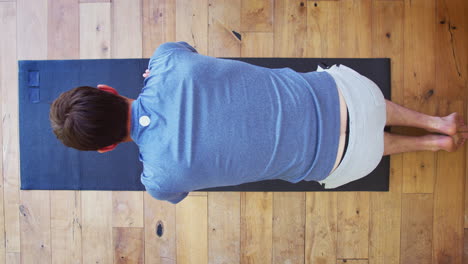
(46, 164)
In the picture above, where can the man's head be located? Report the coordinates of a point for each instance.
(86, 118)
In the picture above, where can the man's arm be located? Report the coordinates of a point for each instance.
(168, 46)
(165, 48)
(173, 198)
(187, 46)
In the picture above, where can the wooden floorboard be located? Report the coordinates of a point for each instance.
(385, 208)
(223, 20)
(256, 227)
(449, 196)
(288, 227)
(192, 230)
(224, 227)
(65, 206)
(420, 220)
(321, 227)
(10, 163)
(416, 228)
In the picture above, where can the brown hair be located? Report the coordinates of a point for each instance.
(86, 118)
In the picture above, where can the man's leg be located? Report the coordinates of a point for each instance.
(398, 115)
(394, 144)
(449, 125)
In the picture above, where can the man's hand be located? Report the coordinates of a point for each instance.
(146, 74)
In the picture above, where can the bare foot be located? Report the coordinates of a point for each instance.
(461, 127)
(463, 136)
(448, 143)
(448, 125)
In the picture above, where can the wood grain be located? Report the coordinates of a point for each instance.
(290, 28)
(158, 24)
(416, 228)
(160, 231)
(128, 245)
(257, 44)
(126, 34)
(323, 23)
(385, 218)
(35, 205)
(449, 197)
(288, 227)
(94, 1)
(321, 227)
(465, 247)
(257, 15)
(127, 209)
(192, 230)
(223, 227)
(35, 225)
(419, 167)
(353, 225)
(353, 261)
(96, 211)
(95, 30)
(13, 258)
(466, 170)
(257, 225)
(356, 28)
(388, 42)
(32, 28)
(2, 210)
(191, 25)
(223, 21)
(65, 227)
(419, 36)
(63, 29)
(451, 40)
(10, 141)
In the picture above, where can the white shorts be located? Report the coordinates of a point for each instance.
(367, 118)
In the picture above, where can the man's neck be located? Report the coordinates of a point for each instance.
(129, 119)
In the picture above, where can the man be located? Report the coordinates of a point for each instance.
(203, 122)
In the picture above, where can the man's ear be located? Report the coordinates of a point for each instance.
(107, 88)
(108, 148)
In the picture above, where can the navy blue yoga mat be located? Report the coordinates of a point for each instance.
(46, 164)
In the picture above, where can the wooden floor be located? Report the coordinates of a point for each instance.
(421, 219)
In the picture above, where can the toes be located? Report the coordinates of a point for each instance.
(464, 135)
(460, 143)
(460, 119)
(463, 128)
(460, 140)
(461, 123)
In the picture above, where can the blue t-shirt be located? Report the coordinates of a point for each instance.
(203, 122)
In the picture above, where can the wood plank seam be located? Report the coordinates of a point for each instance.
(273, 228)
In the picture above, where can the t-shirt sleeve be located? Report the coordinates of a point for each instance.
(168, 46)
(173, 198)
(187, 46)
(165, 49)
